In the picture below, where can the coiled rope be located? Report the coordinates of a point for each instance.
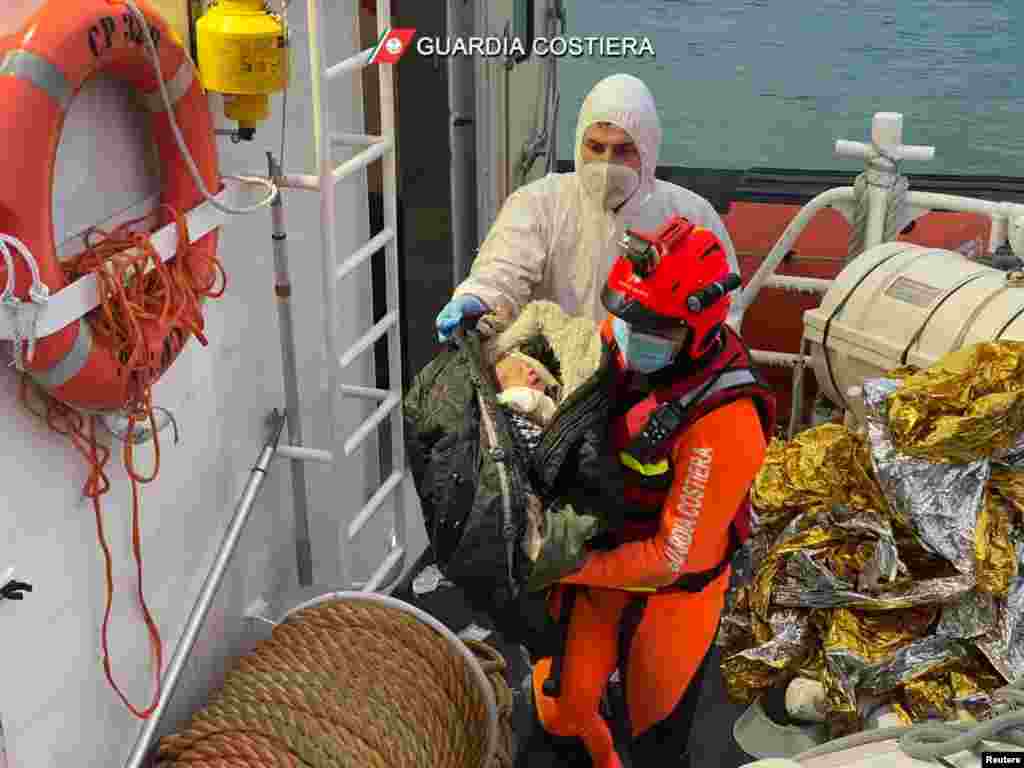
(134, 284)
(936, 742)
(349, 684)
(933, 741)
(896, 200)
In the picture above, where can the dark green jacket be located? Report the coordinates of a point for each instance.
(474, 500)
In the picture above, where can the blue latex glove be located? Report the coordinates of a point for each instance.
(455, 311)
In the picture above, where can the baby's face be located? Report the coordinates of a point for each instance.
(513, 372)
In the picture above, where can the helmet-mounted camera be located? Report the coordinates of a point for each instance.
(676, 276)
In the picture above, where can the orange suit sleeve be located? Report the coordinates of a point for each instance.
(715, 462)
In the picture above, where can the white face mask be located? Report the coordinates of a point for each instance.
(609, 184)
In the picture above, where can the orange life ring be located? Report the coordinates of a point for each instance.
(42, 69)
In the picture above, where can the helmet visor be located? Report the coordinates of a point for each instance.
(635, 314)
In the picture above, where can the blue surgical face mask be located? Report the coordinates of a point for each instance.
(642, 352)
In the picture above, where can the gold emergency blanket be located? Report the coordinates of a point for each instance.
(888, 565)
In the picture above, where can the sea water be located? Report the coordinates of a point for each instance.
(773, 83)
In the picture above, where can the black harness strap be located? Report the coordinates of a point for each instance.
(553, 685)
(698, 582)
(669, 417)
(632, 615)
(511, 465)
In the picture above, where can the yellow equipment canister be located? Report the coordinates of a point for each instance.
(243, 54)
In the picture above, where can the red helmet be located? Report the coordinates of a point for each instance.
(675, 277)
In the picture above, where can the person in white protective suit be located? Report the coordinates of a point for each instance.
(557, 238)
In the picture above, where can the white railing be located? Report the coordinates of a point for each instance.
(881, 156)
(376, 148)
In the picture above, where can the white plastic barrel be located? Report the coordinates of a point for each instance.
(903, 303)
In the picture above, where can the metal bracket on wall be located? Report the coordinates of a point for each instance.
(12, 590)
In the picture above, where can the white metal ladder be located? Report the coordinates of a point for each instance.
(376, 148)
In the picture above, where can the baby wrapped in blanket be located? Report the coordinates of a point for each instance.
(541, 360)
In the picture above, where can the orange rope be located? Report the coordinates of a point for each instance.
(167, 297)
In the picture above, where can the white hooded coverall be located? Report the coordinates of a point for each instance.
(552, 241)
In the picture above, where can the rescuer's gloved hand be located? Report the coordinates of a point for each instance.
(455, 311)
(562, 549)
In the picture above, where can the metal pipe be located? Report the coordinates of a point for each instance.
(881, 177)
(926, 200)
(462, 142)
(300, 181)
(799, 284)
(351, 64)
(506, 118)
(360, 161)
(939, 201)
(370, 508)
(206, 595)
(380, 413)
(322, 119)
(389, 194)
(796, 403)
(364, 393)
(778, 359)
(355, 139)
(485, 101)
(997, 233)
(368, 339)
(304, 454)
(376, 582)
(283, 292)
(783, 246)
(372, 246)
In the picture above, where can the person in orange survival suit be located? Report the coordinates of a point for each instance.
(691, 424)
